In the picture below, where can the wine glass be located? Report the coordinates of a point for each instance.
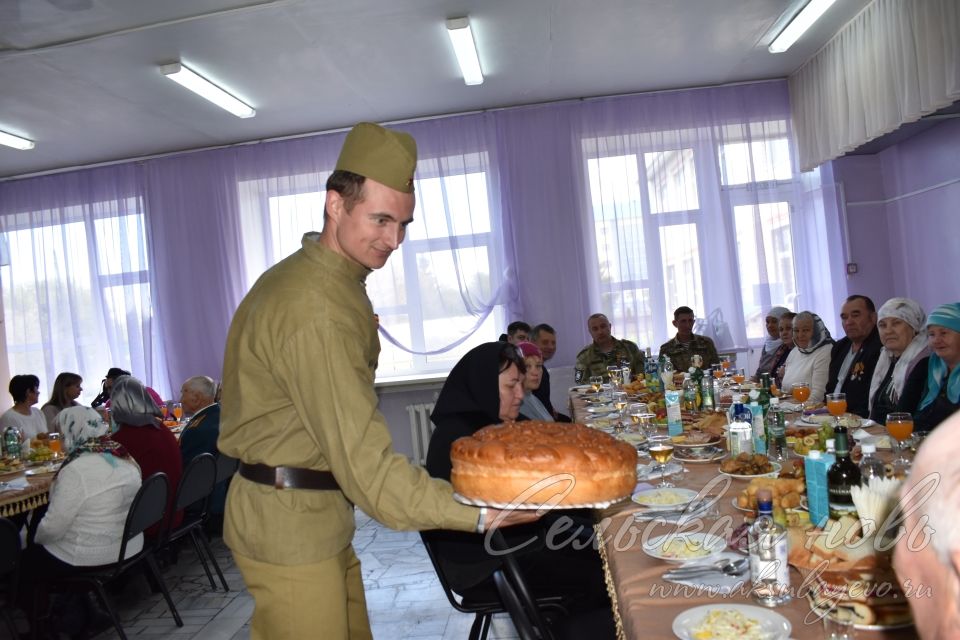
(739, 375)
(636, 411)
(725, 363)
(718, 372)
(177, 411)
(596, 383)
(614, 373)
(620, 403)
(661, 450)
(900, 428)
(800, 392)
(837, 405)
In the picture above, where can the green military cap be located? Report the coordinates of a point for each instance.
(389, 157)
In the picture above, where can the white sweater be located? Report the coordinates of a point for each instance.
(812, 368)
(30, 426)
(89, 502)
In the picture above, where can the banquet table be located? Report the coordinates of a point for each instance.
(17, 501)
(645, 605)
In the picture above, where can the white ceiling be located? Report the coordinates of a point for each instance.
(81, 77)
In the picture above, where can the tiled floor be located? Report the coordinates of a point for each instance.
(404, 597)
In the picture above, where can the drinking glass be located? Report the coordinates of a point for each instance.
(739, 375)
(596, 383)
(837, 405)
(626, 375)
(900, 428)
(837, 626)
(636, 410)
(725, 363)
(620, 403)
(661, 450)
(177, 411)
(718, 372)
(800, 392)
(614, 372)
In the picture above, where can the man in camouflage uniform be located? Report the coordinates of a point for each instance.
(605, 351)
(682, 348)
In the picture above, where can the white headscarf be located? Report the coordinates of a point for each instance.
(772, 344)
(79, 424)
(913, 314)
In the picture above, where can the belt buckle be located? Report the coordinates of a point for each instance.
(279, 478)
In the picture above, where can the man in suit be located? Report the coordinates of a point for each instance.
(198, 398)
(853, 359)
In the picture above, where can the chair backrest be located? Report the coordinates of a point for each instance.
(521, 620)
(226, 466)
(9, 547)
(197, 481)
(456, 599)
(148, 507)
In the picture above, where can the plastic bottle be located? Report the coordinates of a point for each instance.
(870, 465)
(769, 549)
(776, 423)
(740, 431)
(666, 373)
(689, 393)
(707, 398)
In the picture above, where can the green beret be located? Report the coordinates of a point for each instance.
(389, 157)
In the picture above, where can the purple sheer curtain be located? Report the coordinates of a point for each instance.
(544, 213)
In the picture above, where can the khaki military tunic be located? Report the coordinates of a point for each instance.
(593, 362)
(298, 391)
(681, 352)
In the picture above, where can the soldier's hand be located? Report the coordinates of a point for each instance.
(507, 518)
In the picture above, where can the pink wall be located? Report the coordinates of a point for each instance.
(906, 243)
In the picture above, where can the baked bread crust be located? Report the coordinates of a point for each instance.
(534, 462)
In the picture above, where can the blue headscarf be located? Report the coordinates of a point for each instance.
(946, 315)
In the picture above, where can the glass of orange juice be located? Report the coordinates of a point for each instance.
(725, 362)
(837, 405)
(800, 392)
(739, 375)
(177, 411)
(718, 372)
(900, 428)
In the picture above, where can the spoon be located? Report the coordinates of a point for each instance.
(725, 566)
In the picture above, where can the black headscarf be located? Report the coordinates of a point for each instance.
(469, 400)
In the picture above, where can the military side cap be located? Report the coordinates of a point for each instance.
(389, 157)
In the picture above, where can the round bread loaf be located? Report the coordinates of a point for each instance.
(535, 462)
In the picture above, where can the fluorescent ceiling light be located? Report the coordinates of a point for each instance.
(461, 35)
(184, 76)
(800, 23)
(10, 140)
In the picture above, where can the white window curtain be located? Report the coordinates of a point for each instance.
(75, 279)
(897, 61)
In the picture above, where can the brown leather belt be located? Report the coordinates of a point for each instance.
(289, 477)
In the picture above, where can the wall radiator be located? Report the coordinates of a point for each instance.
(420, 430)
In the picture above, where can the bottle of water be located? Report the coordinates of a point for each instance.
(777, 449)
(870, 465)
(707, 400)
(666, 373)
(768, 546)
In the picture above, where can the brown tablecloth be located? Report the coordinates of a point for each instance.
(22, 500)
(644, 604)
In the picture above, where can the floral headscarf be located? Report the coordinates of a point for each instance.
(84, 431)
(946, 315)
(820, 337)
(913, 314)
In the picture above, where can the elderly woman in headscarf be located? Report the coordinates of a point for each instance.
(809, 361)
(484, 388)
(532, 408)
(83, 525)
(142, 432)
(773, 347)
(900, 322)
(932, 390)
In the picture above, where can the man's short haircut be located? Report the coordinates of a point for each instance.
(21, 384)
(543, 327)
(349, 185)
(682, 311)
(789, 315)
(517, 325)
(203, 385)
(597, 315)
(872, 308)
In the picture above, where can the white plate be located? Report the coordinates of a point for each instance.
(581, 388)
(744, 509)
(665, 498)
(633, 439)
(603, 408)
(770, 474)
(710, 544)
(45, 470)
(772, 625)
(710, 456)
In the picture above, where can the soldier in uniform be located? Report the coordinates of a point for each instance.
(604, 351)
(682, 348)
(300, 413)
